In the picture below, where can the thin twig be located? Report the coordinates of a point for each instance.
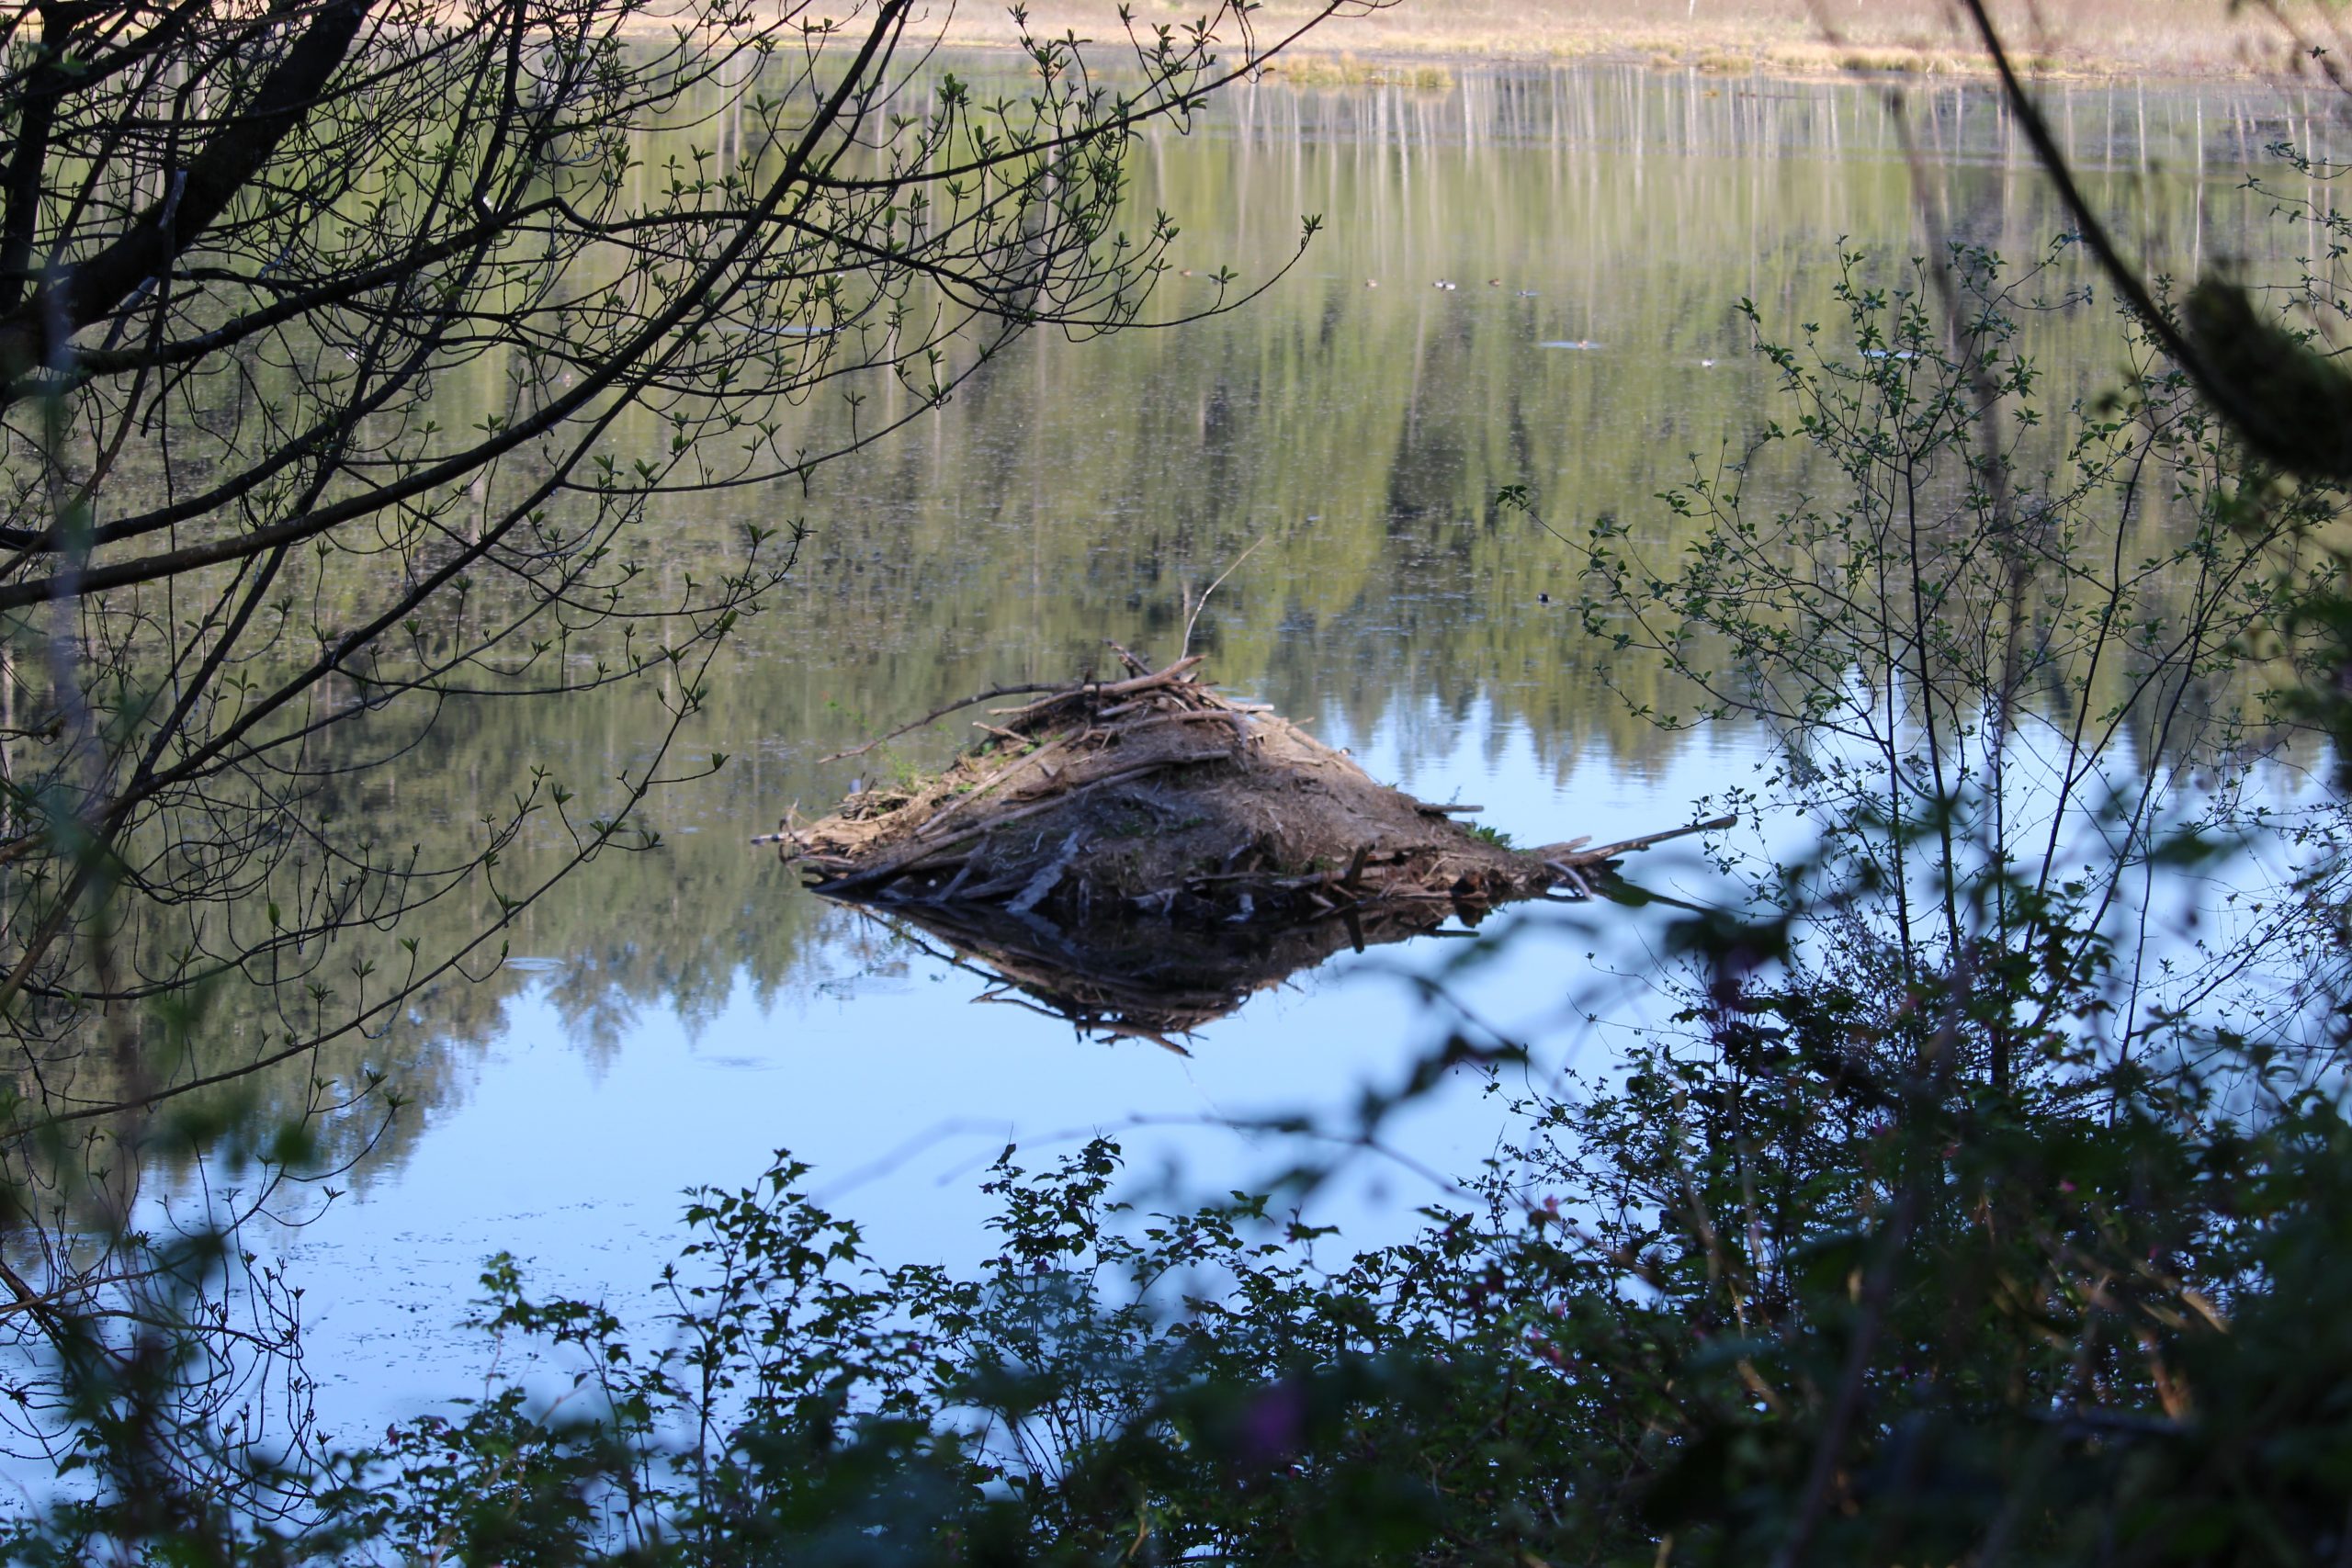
(968, 797)
(989, 696)
(1627, 846)
(901, 864)
(1194, 618)
(1097, 690)
(2126, 278)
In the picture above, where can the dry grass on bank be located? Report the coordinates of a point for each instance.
(2162, 37)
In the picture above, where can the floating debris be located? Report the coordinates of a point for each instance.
(1157, 798)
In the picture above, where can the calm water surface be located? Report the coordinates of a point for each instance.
(676, 1017)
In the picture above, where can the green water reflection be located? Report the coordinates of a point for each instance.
(1354, 425)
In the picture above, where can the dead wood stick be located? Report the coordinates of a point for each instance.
(1117, 1031)
(1291, 884)
(1187, 716)
(1194, 618)
(960, 864)
(989, 696)
(899, 865)
(988, 892)
(1081, 785)
(916, 858)
(1572, 876)
(1627, 846)
(830, 865)
(1168, 677)
(1104, 689)
(1033, 892)
(1132, 662)
(1451, 810)
(989, 782)
(1147, 700)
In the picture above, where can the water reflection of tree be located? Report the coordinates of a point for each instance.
(1362, 433)
(344, 348)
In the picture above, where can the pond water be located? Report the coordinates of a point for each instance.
(1530, 277)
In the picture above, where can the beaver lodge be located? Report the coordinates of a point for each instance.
(1155, 798)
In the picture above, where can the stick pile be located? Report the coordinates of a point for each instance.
(1156, 794)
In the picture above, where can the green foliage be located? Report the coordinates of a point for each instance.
(1799, 1301)
(1986, 667)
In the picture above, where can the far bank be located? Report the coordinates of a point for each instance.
(2103, 38)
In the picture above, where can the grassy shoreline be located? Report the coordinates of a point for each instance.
(2073, 38)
